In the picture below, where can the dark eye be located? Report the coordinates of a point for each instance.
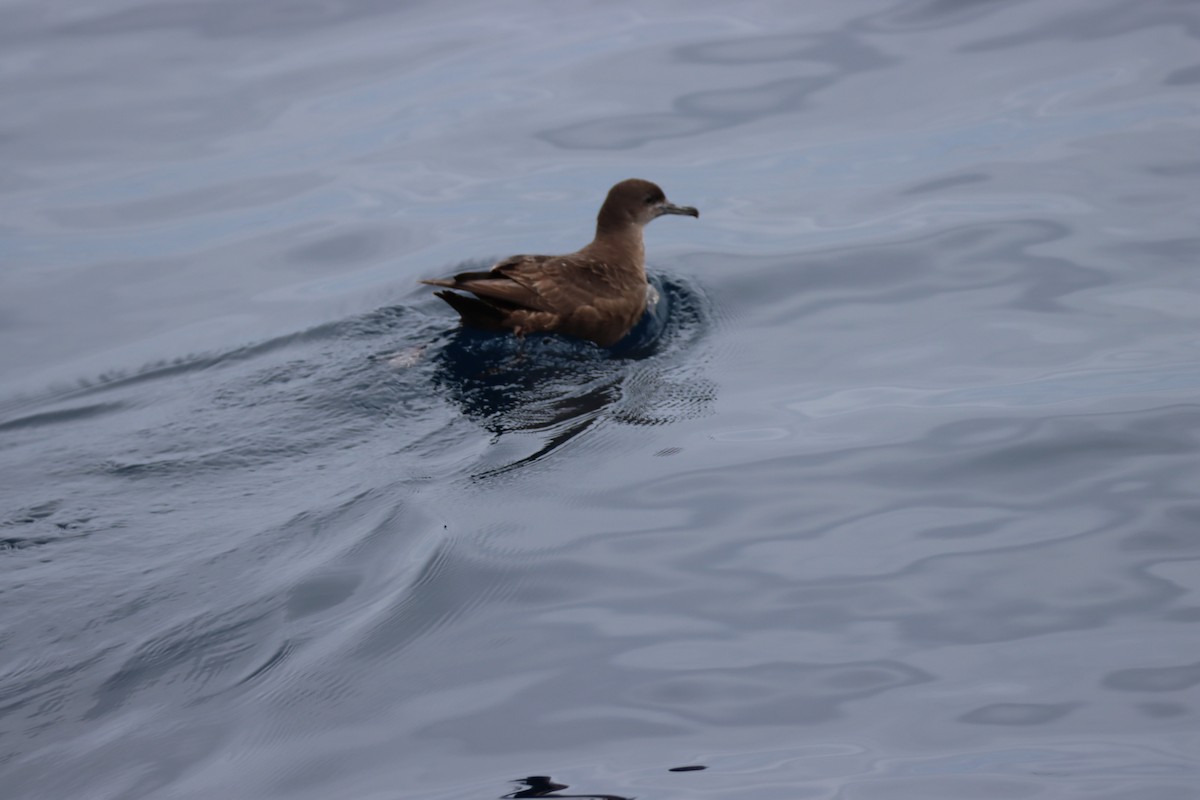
(650, 199)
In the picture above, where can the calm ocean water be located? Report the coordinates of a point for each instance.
(897, 497)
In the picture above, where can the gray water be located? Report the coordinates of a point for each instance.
(899, 502)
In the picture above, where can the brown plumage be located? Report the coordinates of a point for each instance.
(597, 293)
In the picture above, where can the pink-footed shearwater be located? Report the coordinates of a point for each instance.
(597, 293)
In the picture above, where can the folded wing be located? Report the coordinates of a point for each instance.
(510, 285)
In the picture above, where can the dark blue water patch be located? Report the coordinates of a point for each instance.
(1118, 20)
(1154, 679)
(1163, 710)
(40, 524)
(843, 50)
(545, 380)
(60, 415)
(1018, 713)
(780, 693)
(942, 184)
(1183, 77)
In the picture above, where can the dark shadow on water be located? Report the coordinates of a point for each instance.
(543, 786)
(563, 386)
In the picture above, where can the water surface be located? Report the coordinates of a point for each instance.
(898, 502)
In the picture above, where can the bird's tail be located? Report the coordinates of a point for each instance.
(475, 313)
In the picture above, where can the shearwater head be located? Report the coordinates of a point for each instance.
(636, 202)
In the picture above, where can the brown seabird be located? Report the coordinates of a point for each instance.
(598, 293)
